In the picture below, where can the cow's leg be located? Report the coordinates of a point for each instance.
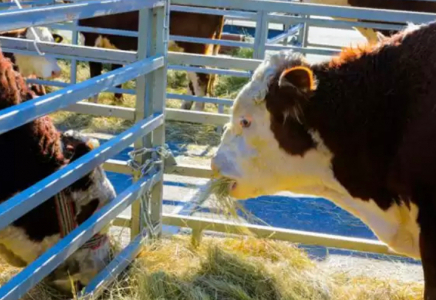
(428, 251)
(200, 82)
(188, 104)
(118, 96)
(95, 69)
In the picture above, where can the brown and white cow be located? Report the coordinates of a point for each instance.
(34, 65)
(30, 153)
(402, 5)
(359, 130)
(181, 23)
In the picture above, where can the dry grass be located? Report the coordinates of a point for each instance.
(245, 269)
(236, 269)
(198, 134)
(179, 132)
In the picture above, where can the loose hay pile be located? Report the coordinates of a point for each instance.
(246, 269)
(238, 269)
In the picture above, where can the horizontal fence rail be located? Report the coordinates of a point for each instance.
(28, 199)
(149, 62)
(23, 113)
(27, 17)
(315, 9)
(296, 236)
(263, 13)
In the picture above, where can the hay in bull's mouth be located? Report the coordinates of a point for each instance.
(225, 205)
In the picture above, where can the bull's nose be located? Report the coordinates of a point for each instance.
(55, 74)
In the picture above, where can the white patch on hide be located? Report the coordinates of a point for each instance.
(199, 90)
(41, 66)
(16, 246)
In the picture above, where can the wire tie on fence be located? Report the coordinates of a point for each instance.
(36, 37)
(157, 155)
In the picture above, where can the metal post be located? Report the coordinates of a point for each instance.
(150, 98)
(159, 45)
(304, 34)
(260, 38)
(74, 41)
(141, 111)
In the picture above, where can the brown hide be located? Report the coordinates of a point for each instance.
(375, 109)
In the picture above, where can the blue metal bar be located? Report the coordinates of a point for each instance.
(383, 15)
(210, 71)
(64, 84)
(319, 51)
(200, 99)
(33, 196)
(95, 30)
(43, 265)
(65, 51)
(188, 39)
(318, 22)
(110, 272)
(38, 2)
(215, 11)
(292, 31)
(15, 19)
(15, 116)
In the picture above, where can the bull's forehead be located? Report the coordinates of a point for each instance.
(250, 98)
(253, 94)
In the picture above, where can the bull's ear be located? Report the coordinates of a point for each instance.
(57, 38)
(299, 77)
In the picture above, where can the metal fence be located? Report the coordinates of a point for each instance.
(148, 66)
(292, 15)
(263, 13)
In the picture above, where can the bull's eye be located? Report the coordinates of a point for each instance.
(245, 123)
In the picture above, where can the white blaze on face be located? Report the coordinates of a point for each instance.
(41, 66)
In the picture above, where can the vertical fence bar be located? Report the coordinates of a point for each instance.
(260, 37)
(159, 45)
(74, 41)
(304, 34)
(142, 110)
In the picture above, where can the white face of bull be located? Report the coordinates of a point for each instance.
(250, 153)
(41, 66)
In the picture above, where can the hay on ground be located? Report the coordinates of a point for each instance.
(246, 269)
(236, 269)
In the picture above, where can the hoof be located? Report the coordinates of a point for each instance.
(119, 97)
(186, 105)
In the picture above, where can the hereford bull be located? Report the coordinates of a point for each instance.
(359, 130)
(181, 23)
(30, 153)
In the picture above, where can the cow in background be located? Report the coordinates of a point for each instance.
(181, 23)
(34, 65)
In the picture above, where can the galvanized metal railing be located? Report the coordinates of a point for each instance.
(148, 66)
(263, 13)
